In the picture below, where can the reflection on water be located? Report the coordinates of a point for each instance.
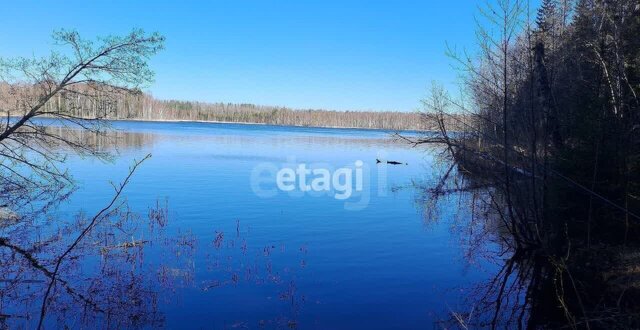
(553, 274)
(192, 243)
(101, 280)
(107, 140)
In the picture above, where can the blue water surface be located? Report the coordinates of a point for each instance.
(289, 260)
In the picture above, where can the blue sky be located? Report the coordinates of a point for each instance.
(343, 55)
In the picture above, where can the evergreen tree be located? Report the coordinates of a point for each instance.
(547, 16)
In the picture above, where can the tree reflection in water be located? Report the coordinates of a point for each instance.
(91, 269)
(80, 271)
(549, 275)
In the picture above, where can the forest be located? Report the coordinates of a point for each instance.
(142, 106)
(552, 126)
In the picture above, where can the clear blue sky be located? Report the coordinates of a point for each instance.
(342, 54)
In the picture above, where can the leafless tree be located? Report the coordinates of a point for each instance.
(98, 71)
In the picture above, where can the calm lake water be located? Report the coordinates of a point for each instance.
(229, 257)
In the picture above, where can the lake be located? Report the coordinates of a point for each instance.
(233, 250)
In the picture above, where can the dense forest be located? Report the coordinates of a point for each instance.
(553, 127)
(142, 106)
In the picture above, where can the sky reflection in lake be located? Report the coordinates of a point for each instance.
(233, 259)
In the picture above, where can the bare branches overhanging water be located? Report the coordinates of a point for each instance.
(31, 154)
(550, 127)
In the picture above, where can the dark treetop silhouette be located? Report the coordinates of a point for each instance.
(550, 156)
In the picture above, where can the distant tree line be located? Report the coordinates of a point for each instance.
(142, 106)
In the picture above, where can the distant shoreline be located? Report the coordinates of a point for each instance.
(143, 107)
(261, 124)
(243, 123)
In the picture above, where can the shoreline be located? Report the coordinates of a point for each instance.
(250, 123)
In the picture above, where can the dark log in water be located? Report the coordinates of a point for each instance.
(390, 162)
